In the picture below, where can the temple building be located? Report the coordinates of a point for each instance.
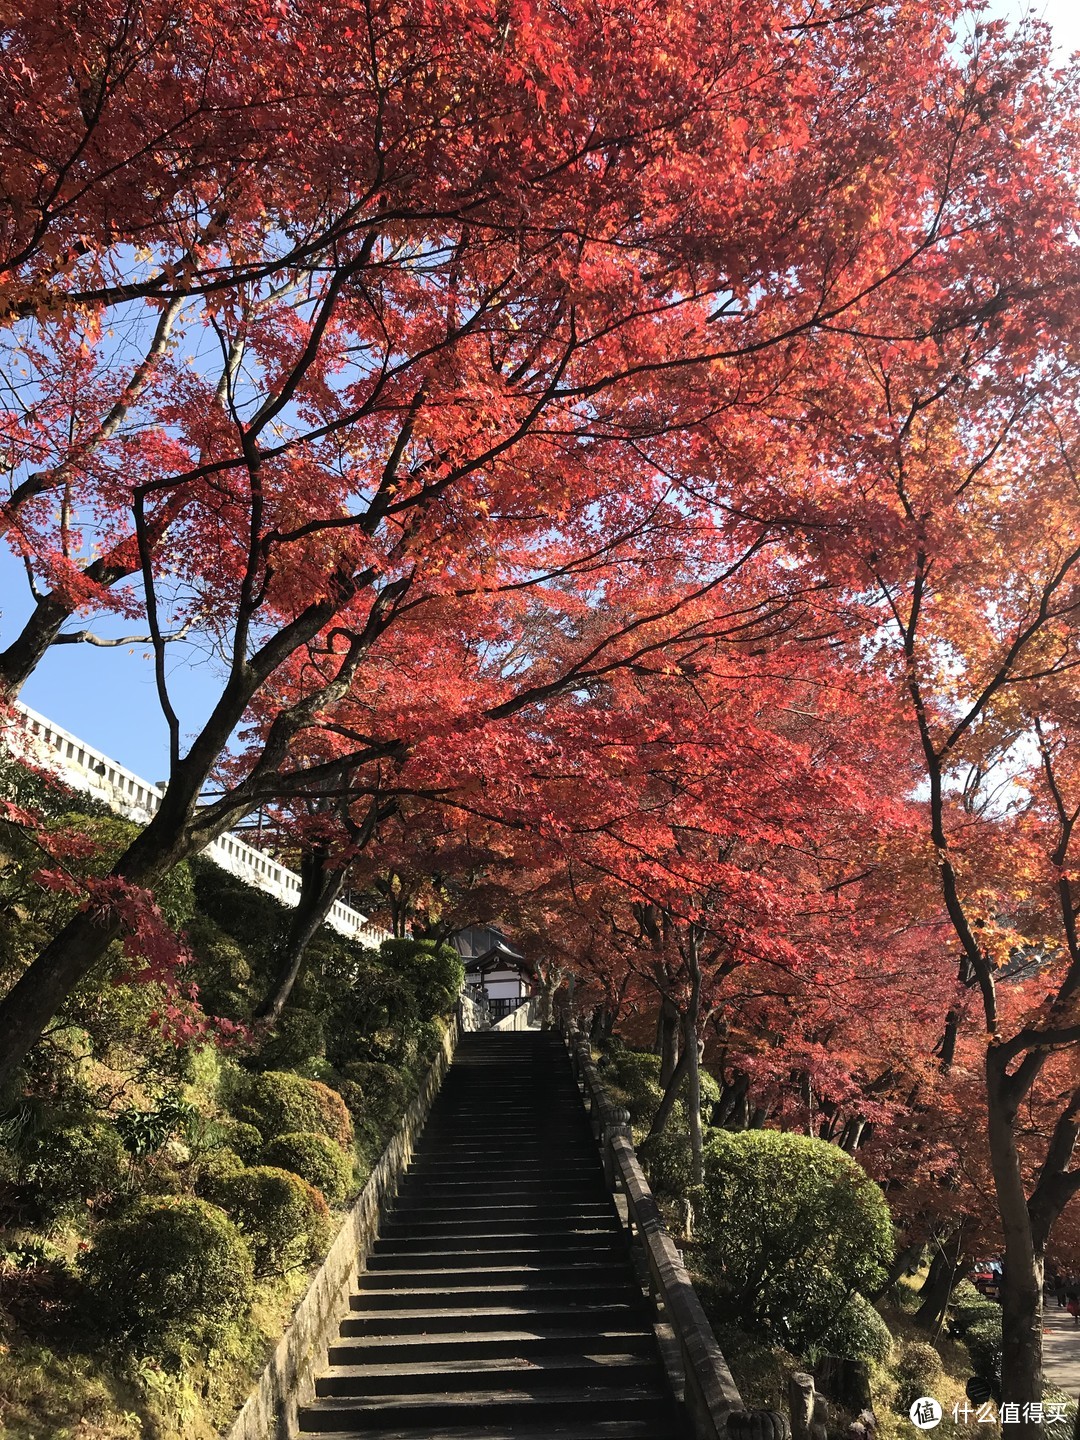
(495, 972)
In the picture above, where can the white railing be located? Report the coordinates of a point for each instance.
(84, 768)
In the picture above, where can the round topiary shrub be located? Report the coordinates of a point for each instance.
(278, 1212)
(213, 1168)
(171, 1269)
(635, 1077)
(281, 1103)
(380, 1091)
(316, 1159)
(790, 1227)
(918, 1371)
(858, 1332)
(244, 1139)
(78, 1164)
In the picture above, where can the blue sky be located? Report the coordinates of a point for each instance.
(107, 697)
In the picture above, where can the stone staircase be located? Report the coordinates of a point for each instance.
(499, 1302)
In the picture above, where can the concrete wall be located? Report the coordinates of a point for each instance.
(288, 1382)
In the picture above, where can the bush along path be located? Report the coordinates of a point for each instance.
(499, 1300)
(163, 1199)
(790, 1244)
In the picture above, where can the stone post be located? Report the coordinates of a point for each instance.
(616, 1122)
(801, 1396)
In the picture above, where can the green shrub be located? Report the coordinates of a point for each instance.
(983, 1340)
(790, 1227)
(381, 1092)
(317, 1067)
(668, 1157)
(859, 1332)
(434, 972)
(316, 1159)
(145, 1132)
(280, 1103)
(298, 1037)
(968, 1307)
(918, 1371)
(172, 1269)
(634, 1076)
(77, 1164)
(244, 1139)
(279, 1213)
(214, 1167)
(174, 894)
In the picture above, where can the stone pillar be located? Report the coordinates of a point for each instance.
(801, 1396)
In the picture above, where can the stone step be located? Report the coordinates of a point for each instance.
(584, 1272)
(510, 1405)
(522, 1342)
(458, 1320)
(404, 1297)
(453, 1256)
(479, 1208)
(447, 1193)
(537, 1375)
(579, 1430)
(448, 1226)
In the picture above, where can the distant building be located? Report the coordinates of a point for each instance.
(494, 971)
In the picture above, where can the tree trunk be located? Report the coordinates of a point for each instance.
(937, 1288)
(667, 1103)
(72, 954)
(22, 656)
(669, 1039)
(1022, 1277)
(906, 1260)
(692, 1050)
(733, 1097)
(603, 1023)
(321, 883)
(693, 1099)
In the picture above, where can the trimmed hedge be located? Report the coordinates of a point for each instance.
(316, 1159)
(283, 1217)
(172, 1269)
(278, 1102)
(791, 1227)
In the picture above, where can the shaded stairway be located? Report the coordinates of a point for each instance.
(499, 1301)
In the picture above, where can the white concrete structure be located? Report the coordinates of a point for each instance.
(80, 766)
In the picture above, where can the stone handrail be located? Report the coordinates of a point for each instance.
(84, 768)
(523, 1018)
(470, 1016)
(710, 1395)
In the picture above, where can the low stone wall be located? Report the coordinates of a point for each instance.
(523, 1018)
(288, 1382)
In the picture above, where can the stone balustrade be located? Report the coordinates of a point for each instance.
(82, 767)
